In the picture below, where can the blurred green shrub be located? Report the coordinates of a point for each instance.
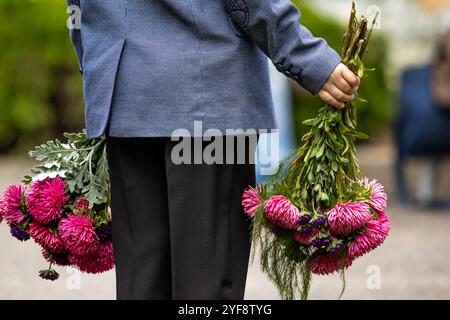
(372, 116)
(40, 86)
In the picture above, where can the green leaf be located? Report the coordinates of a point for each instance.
(310, 122)
(334, 166)
(362, 100)
(320, 151)
(360, 135)
(27, 180)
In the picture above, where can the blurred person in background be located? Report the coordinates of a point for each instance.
(423, 124)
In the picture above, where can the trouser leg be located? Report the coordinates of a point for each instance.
(140, 217)
(209, 232)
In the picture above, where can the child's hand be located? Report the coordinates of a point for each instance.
(340, 87)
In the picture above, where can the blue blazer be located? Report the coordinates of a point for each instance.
(152, 66)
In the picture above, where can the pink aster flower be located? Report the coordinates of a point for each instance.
(345, 218)
(282, 212)
(329, 263)
(45, 199)
(99, 261)
(2, 209)
(11, 204)
(374, 235)
(82, 205)
(378, 198)
(78, 234)
(47, 239)
(251, 201)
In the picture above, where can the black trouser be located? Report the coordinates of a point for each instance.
(179, 231)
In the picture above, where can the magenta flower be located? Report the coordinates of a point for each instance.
(78, 234)
(2, 209)
(282, 212)
(374, 235)
(378, 198)
(11, 204)
(82, 205)
(98, 261)
(46, 239)
(345, 218)
(251, 201)
(45, 199)
(329, 263)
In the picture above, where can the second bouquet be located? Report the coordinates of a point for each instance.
(318, 214)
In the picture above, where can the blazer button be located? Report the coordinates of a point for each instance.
(288, 73)
(81, 70)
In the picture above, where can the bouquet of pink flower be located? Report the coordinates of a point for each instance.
(317, 214)
(64, 206)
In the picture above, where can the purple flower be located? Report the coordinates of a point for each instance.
(319, 221)
(49, 274)
(339, 246)
(317, 242)
(321, 241)
(104, 231)
(304, 219)
(305, 230)
(99, 207)
(18, 233)
(326, 241)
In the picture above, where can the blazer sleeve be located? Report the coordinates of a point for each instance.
(74, 11)
(274, 25)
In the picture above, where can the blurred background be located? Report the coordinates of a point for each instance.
(407, 117)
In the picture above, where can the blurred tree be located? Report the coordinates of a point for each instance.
(372, 116)
(40, 86)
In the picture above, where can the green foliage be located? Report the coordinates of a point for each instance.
(280, 257)
(374, 115)
(40, 86)
(82, 162)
